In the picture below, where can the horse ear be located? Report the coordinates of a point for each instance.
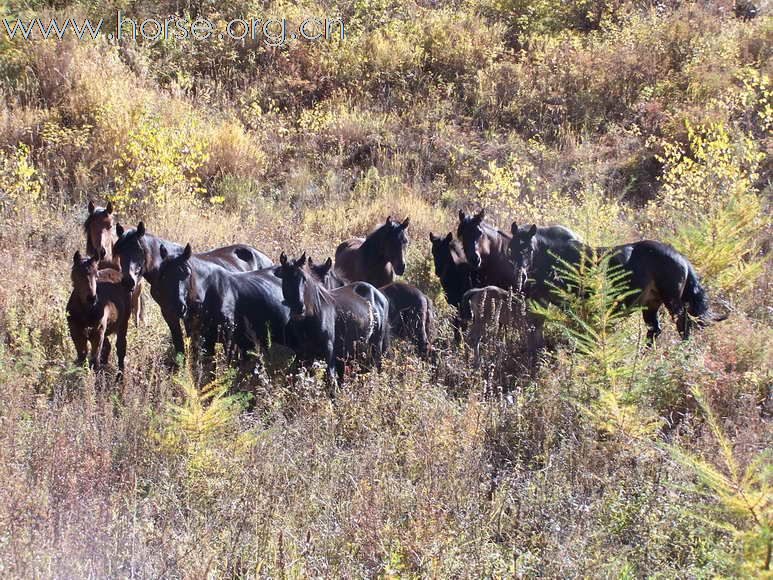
(119, 230)
(187, 252)
(328, 263)
(532, 230)
(162, 251)
(283, 259)
(140, 229)
(480, 215)
(461, 216)
(449, 237)
(406, 223)
(91, 207)
(432, 238)
(301, 261)
(109, 208)
(76, 258)
(514, 228)
(389, 219)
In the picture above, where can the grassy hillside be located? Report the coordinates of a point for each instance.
(621, 119)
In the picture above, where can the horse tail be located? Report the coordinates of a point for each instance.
(696, 298)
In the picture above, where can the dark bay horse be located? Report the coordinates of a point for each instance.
(456, 274)
(487, 247)
(332, 325)
(241, 310)
(377, 258)
(100, 237)
(411, 312)
(660, 274)
(99, 306)
(139, 255)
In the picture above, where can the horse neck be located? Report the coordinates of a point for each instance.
(547, 254)
(498, 240)
(315, 297)
(371, 249)
(152, 246)
(194, 287)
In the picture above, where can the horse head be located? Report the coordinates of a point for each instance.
(176, 281)
(470, 233)
(84, 278)
(99, 230)
(294, 282)
(522, 247)
(131, 251)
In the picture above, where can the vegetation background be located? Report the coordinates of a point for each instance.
(622, 119)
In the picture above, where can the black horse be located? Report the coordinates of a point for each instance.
(456, 274)
(411, 312)
(140, 257)
(659, 274)
(486, 249)
(332, 324)
(241, 310)
(377, 258)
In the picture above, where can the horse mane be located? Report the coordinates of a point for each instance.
(370, 247)
(315, 294)
(192, 282)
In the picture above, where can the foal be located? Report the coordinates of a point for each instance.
(331, 324)
(100, 237)
(99, 306)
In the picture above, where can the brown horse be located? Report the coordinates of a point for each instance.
(100, 237)
(99, 306)
(377, 258)
(492, 312)
(411, 312)
(487, 249)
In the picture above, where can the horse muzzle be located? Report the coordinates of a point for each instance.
(400, 268)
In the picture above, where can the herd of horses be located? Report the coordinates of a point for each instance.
(351, 308)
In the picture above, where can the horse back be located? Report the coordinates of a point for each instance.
(347, 259)
(358, 310)
(237, 258)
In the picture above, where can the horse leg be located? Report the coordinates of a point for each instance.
(678, 311)
(535, 339)
(138, 305)
(120, 343)
(80, 340)
(650, 316)
(96, 338)
(174, 328)
(335, 370)
(104, 357)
